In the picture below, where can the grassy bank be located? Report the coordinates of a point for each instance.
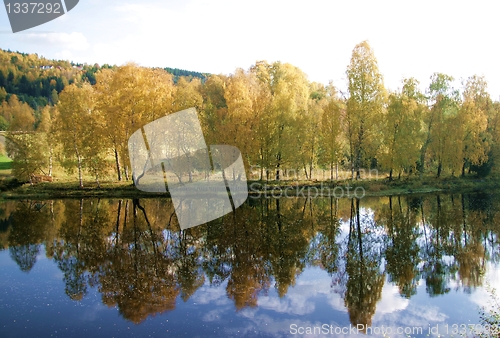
(347, 188)
(381, 187)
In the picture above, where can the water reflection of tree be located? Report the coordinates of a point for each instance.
(249, 273)
(137, 276)
(136, 255)
(402, 250)
(288, 233)
(437, 271)
(363, 266)
(29, 222)
(328, 248)
(79, 251)
(469, 233)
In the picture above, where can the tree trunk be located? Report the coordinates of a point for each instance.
(80, 177)
(358, 164)
(118, 169)
(352, 167)
(423, 150)
(125, 168)
(50, 161)
(97, 180)
(278, 167)
(79, 159)
(440, 167)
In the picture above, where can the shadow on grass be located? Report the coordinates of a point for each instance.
(5, 165)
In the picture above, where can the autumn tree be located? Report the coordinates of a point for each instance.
(308, 123)
(441, 124)
(331, 135)
(473, 121)
(29, 154)
(73, 123)
(365, 106)
(493, 130)
(128, 98)
(214, 107)
(46, 129)
(262, 153)
(18, 115)
(289, 93)
(187, 94)
(27, 150)
(402, 128)
(240, 123)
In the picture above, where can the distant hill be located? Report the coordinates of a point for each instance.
(38, 81)
(177, 73)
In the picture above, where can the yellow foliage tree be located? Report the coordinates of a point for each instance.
(365, 106)
(127, 99)
(74, 124)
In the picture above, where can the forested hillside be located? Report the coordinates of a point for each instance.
(178, 73)
(38, 81)
(80, 118)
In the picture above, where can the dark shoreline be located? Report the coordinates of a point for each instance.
(271, 189)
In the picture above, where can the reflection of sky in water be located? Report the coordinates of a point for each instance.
(35, 304)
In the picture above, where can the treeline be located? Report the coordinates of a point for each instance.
(277, 118)
(178, 73)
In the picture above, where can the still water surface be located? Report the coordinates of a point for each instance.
(123, 268)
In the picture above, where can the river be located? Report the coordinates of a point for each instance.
(401, 265)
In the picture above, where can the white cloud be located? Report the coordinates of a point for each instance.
(65, 55)
(214, 315)
(73, 41)
(391, 300)
(482, 297)
(207, 294)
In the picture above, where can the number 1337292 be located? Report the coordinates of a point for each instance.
(33, 7)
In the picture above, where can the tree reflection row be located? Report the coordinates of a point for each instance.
(135, 254)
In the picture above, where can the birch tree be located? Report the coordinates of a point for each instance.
(402, 129)
(365, 106)
(443, 130)
(332, 138)
(473, 122)
(75, 110)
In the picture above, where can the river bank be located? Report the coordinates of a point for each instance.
(10, 189)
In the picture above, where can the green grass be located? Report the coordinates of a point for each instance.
(66, 186)
(5, 163)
